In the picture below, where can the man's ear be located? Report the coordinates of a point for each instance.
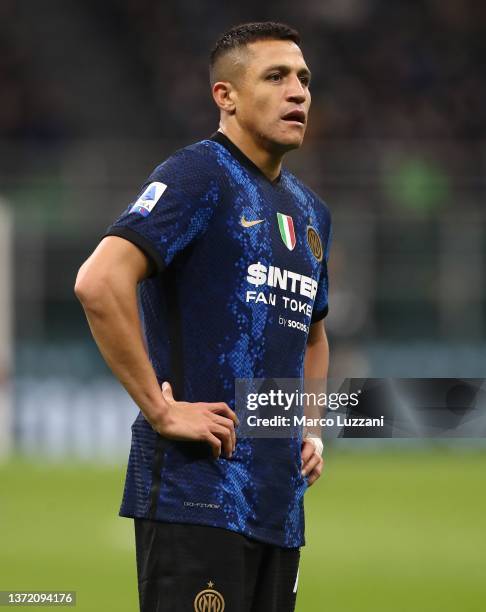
(224, 95)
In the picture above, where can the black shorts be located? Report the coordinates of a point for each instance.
(196, 568)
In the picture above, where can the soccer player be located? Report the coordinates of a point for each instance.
(217, 271)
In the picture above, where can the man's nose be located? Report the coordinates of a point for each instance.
(296, 91)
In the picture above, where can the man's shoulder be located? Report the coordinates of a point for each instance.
(299, 187)
(202, 149)
(198, 155)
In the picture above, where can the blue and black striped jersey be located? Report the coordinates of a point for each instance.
(239, 274)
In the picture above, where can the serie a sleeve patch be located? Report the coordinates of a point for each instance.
(149, 198)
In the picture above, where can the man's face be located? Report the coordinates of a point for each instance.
(273, 97)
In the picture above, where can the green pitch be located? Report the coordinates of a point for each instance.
(386, 532)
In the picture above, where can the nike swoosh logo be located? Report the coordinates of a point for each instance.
(246, 223)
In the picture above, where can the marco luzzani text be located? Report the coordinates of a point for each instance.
(295, 401)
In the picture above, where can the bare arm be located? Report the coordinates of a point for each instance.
(316, 360)
(106, 286)
(316, 364)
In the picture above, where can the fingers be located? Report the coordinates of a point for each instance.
(226, 418)
(220, 441)
(229, 424)
(214, 443)
(224, 410)
(224, 435)
(211, 422)
(311, 464)
(308, 449)
(316, 473)
(167, 392)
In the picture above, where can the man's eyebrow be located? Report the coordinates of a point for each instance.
(286, 69)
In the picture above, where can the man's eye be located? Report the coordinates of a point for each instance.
(305, 81)
(274, 77)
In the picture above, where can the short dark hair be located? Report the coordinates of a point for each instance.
(245, 33)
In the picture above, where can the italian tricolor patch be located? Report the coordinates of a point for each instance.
(286, 227)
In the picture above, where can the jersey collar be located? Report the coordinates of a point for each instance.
(223, 140)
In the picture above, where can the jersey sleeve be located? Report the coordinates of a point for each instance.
(321, 305)
(173, 208)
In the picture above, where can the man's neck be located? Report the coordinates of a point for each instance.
(268, 163)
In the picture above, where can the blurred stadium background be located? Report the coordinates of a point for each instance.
(93, 96)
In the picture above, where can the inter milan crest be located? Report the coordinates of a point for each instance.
(209, 600)
(287, 231)
(314, 243)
